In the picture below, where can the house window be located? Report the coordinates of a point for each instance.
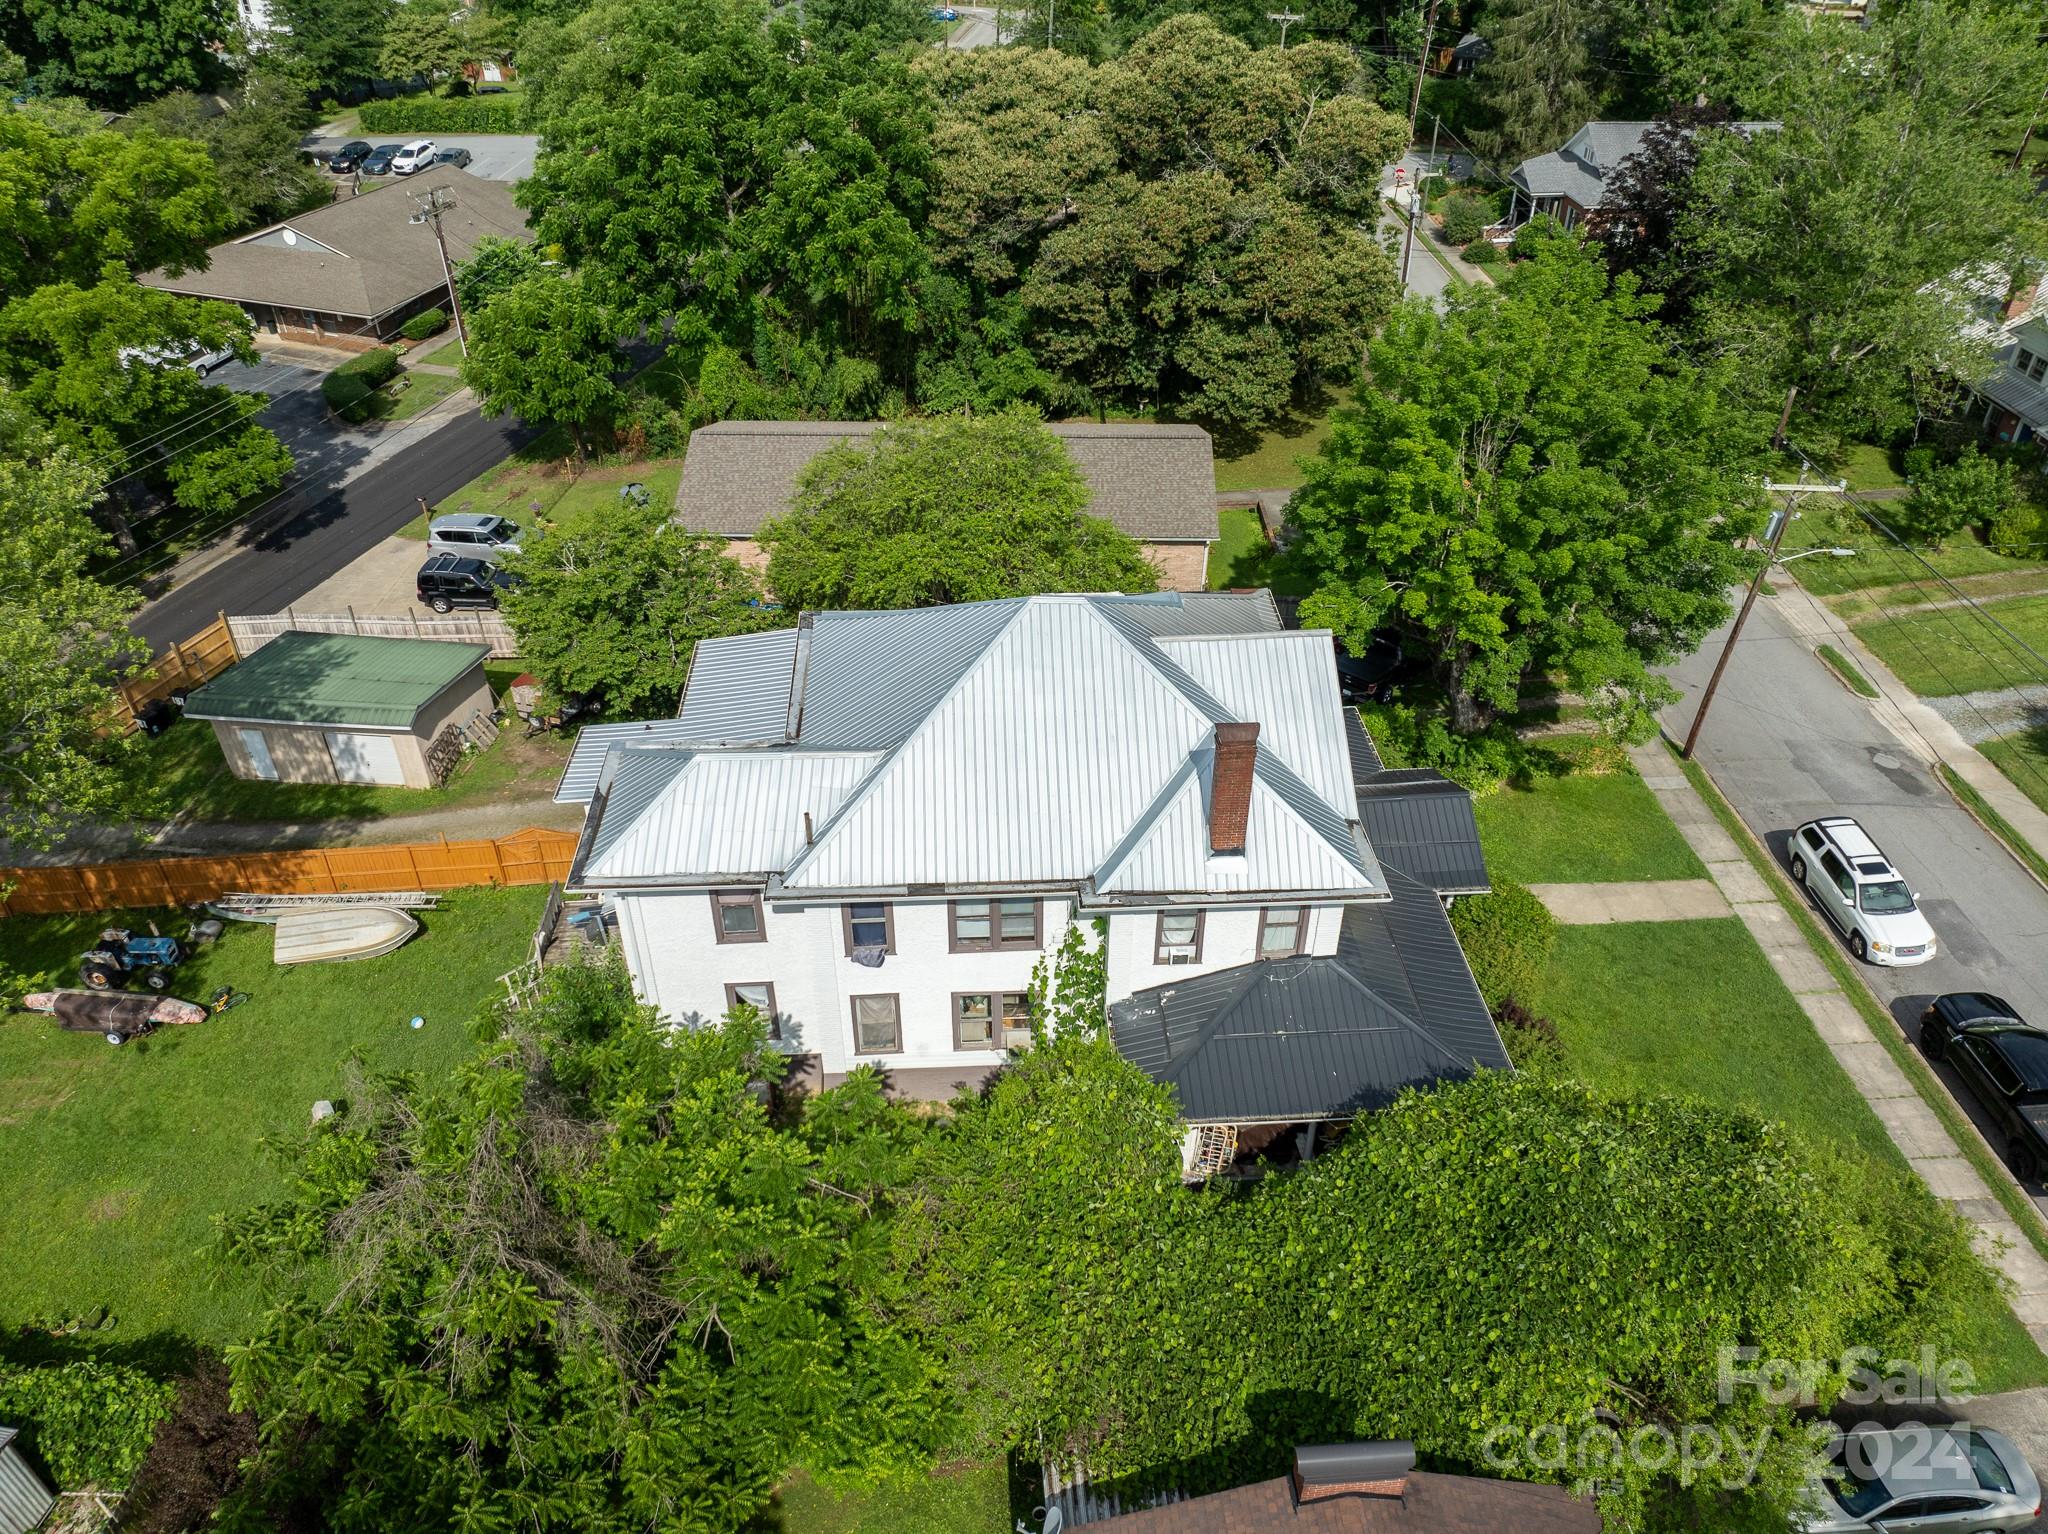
(869, 925)
(980, 926)
(760, 995)
(877, 1025)
(737, 914)
(991, 1019)
(1178, 939)
(2036, 366)
(1281, 931)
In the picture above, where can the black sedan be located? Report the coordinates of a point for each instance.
(348, 157)
(378, 161)
(2005, 1063)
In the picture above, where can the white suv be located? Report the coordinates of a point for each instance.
(417, 155)
(1855, 884)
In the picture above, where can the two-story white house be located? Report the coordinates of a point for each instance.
(873, 825)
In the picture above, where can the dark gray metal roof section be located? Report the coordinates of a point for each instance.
(595, 741)
(1422, 823)
(1288, 1040)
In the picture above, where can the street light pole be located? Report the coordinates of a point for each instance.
(1792, 494)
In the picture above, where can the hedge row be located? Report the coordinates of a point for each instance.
(348, 388)
(436, 114)
(428, 322)
(86, 1422)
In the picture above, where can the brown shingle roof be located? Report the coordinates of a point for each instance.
(1434, 1504)
(373, 260)
(1157, 483)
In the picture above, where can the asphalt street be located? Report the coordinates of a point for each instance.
(1786, 743)
(315, 529)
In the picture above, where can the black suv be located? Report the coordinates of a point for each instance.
(348, 157)
(2005, 1063)
(449, 581)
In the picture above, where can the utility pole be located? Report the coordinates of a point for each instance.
(1421, 69)
(1792, 494)
(1416, 193)
(432, 204)
(1784, 419)
(1050, 5)
(1285, 18)
(2019, 155)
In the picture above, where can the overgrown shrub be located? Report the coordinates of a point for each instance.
(1976, 489)
(1532, 1041)
(426, 323)
(1507, 937)
(86, 1422)
(1465, 217)
(1411, 736)
(435, 114)
(1482, 253)
(348, 388)
(2021, 529)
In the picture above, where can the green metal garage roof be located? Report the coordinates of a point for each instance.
(336, 679)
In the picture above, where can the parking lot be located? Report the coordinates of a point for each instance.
(494, 156)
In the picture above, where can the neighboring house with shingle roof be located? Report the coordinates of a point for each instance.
(875, 825)
(1569, 183)
(1157, 483)
(351, 273)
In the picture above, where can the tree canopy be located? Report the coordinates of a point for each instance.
(254, 146)
(116, 53)
(1532, 480)
(951, 510)
(545, 349)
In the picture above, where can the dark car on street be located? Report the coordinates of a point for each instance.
(2004, 1061)
(348, 157)
(378, 161)
(459, 158)
(449, 581)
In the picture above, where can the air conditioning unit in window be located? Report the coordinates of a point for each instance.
(1178, 953)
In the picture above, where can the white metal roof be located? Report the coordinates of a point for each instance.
(1047, 733)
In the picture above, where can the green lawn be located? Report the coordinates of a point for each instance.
(1957, 650)
(186, 762)
(541, 485)
(974, 1500)
(421, 390)
(1634, 1016)
(448, 352)
(1582, 827)
(1866, 466)
(1848, 671)
(1272, 464)
(1879, 562)
(115, 1160)
(1242, 555)
(2024, 759)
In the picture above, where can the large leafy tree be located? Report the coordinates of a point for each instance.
(334, 43)
(545, 349)
(1826, 246)
(585, 1283)
(421, 38)
(254, 145)
(1184, 227)
(1539, 85)
(951, 510)
(119, 52)
(64, 643)
(610, 609)
(1532, 480)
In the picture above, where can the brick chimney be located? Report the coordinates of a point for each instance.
(1230, 786)
(2021, 297)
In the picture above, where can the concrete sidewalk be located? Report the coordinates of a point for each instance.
(1914, 1127)
(1586, 905)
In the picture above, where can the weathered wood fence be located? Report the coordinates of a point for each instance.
(184, 666)
(533, 856)
(252, 633)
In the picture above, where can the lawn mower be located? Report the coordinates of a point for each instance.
(121, 954)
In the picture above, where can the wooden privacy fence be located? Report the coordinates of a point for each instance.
(182, 667)
(252, 633)
(532, 856)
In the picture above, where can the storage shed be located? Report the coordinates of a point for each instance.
(343, 708)
(24, 1500)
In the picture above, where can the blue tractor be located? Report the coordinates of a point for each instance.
(122, 955)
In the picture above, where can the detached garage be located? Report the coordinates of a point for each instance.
(340, 708)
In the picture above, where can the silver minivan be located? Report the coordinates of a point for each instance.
(474, 535)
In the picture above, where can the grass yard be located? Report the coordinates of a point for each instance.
(186, 763)
(115, 1160)
(541, 486)
(1634, 1017)
(1879, 562)
(973, 1500)
(2024, 759)
(1273, 463)
(1243, 556)
(1956, 650)
(1866, 466)
(1582, 827)
(447, 351)
(421, 391)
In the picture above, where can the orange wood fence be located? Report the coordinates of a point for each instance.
(185, 665)
(526, 857)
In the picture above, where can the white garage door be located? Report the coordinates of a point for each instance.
(365, 758)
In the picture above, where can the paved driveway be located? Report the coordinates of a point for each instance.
(496, 156)
(321, 447)
(976, 29)
(1786, 743)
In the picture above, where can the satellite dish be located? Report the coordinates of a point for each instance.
(291, 236)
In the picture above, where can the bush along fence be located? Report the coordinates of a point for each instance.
(432, 114)
(184, 666)
(252, 633)
(533, 856)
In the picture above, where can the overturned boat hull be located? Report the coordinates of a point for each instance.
(342, 932)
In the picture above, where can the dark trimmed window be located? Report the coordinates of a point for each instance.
(1178, 938)
(877, 1025)
(736, 916)
(991, 1019)
(1283, 931)
(983, 926)
(758, 994)
(869, 924)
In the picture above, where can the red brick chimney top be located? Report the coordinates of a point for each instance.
(1230, 787)
(2021, 299)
